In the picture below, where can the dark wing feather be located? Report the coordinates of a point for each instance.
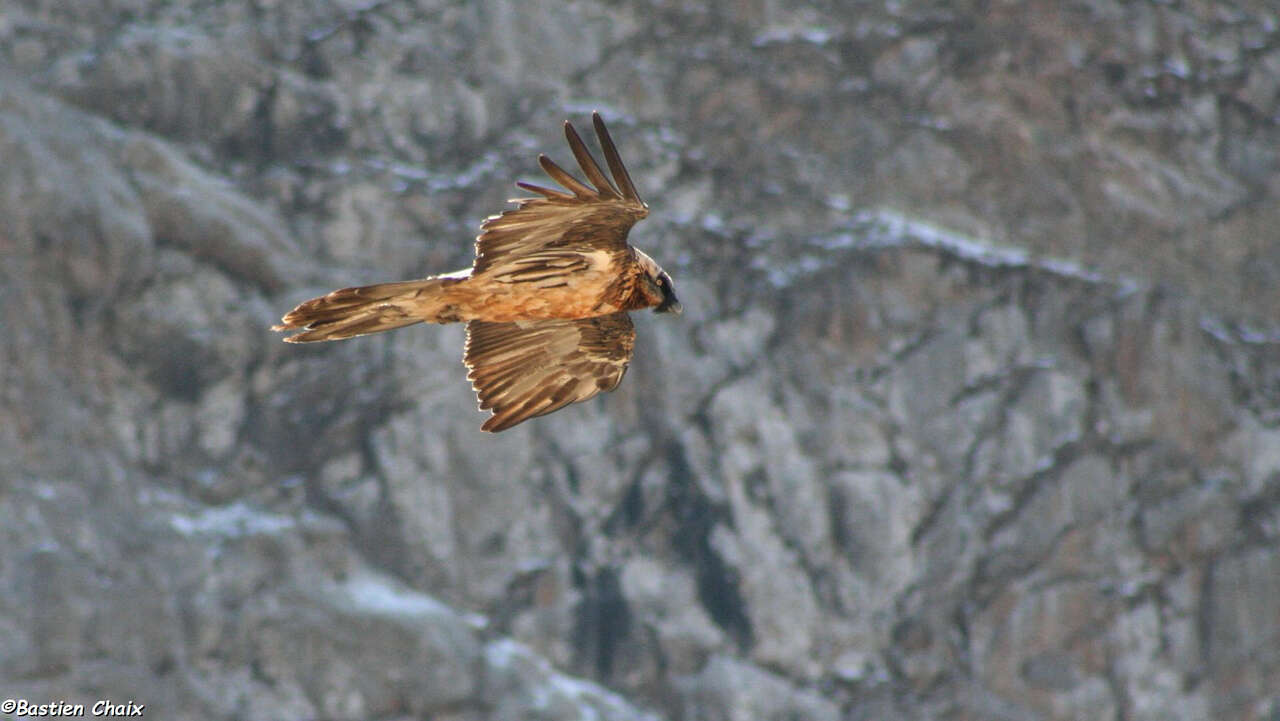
(565, 178)
(590, 217)
(620, 174)
(530, 368)
(588, 163)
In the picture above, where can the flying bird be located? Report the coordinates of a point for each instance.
(545, 301)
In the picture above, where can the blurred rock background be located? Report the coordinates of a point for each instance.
(973, 413)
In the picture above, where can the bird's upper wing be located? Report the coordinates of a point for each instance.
(530, 368)
(547, 235)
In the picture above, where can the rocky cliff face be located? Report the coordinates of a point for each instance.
(973, 412)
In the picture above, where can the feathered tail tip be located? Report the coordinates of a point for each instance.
(351, 312)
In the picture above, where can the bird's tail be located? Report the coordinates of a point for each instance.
(350, 312)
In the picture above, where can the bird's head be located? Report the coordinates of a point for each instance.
(669, 304)
(658, 286)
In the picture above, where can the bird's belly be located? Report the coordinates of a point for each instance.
(583, 297)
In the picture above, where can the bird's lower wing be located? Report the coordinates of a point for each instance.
(525, 369)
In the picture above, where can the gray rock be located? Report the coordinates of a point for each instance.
(330, 641)
(191, 210)
(521, 685)
(175, 81)
(729, 690)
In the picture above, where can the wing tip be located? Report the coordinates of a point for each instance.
(497, 423)
(285, 326)
(621, 178)
(540, 190)
(604, 187)
(565, 178)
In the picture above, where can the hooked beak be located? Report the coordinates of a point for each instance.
(669, 305)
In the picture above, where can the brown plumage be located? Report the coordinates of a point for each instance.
(545, 301)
